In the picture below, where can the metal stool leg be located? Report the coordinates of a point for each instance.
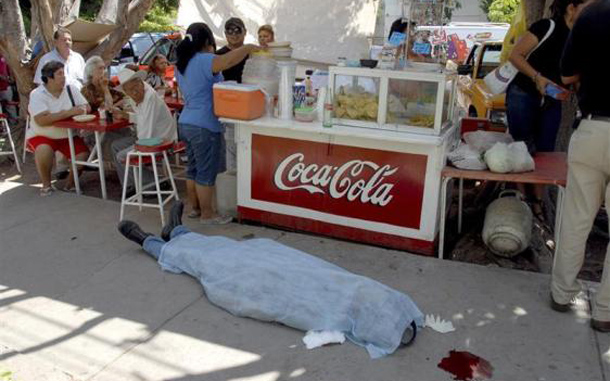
(158, 187)
(140, 188)
(443, 206)
(125, 180)
(460, 205)
(171, 176)
(25, 140)
(10, 139)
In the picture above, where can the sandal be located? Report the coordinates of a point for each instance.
(44, 192)
(194, 214)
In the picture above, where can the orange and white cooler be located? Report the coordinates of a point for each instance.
(238, 101)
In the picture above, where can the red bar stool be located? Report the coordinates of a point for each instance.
(149, 155)
(7, 131)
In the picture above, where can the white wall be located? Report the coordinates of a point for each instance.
(320, 30)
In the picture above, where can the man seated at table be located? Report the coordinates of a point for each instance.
(50, 102)
(152, 118)
(74, 63)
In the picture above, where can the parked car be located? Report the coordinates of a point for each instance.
(473, 95)
(131, 52)
(166, 45)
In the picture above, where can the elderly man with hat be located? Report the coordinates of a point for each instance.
(151, 116)
(235, 32)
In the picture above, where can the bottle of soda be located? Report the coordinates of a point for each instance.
(327, 120)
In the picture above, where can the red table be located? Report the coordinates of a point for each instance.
(551, 169)
(98, 127)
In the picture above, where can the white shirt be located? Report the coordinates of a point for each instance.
(42, 100)
(74, 67)
(153, 118)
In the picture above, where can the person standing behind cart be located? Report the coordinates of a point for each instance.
(533, 117)
(265, 35)
(588, 183)
(198, 68)
(235, 32)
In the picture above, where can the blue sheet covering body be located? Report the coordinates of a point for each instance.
(265, 280)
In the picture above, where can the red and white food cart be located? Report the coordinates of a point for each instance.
(373, 177)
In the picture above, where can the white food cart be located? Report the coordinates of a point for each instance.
(373, 177)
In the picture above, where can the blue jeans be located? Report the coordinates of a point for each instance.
(206, 153)
(153, 244)
(530, 121)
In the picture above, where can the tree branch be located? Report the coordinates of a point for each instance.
(44, 21)
(128, 19)
(108, 12)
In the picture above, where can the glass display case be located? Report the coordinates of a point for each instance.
(407, 100)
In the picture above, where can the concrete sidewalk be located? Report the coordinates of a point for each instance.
(79, 302)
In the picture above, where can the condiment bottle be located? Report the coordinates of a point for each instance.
(308, 84)
(328, 110)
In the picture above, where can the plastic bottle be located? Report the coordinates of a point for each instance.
(102, 112)
(328, 110)
(308, 84)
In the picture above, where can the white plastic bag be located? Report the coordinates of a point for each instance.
(464, 157)
(315, 339)
(507, 158)
(481, 141)
(521, 160)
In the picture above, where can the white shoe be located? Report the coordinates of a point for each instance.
(218, 220)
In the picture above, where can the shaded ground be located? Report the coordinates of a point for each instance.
(469, 246)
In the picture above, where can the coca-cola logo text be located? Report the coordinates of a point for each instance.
(338, 181)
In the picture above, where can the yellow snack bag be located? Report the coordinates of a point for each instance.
(518, 27)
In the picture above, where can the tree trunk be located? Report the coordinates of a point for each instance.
(13, 40)
(536, 9)
(128, 19)
(108, 12)
(44, 21)
(13, 44)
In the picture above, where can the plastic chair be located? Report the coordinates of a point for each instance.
(7, 131)
(149, 155)
(26, 145)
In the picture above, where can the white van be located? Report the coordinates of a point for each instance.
(461, 36)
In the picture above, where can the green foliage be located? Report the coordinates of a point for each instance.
(89, 9)
(503, 10)
(26, 13)
(161, 17)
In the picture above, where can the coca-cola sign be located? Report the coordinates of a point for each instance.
(338, 182)
(363, 183)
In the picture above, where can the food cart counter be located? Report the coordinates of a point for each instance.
(375, 186)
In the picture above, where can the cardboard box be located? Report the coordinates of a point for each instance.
(86, 35)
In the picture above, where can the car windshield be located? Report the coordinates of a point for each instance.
(141, 42)
(164, 46)
(490, 60)
(491, 54)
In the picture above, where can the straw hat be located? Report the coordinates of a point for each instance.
(127, 75)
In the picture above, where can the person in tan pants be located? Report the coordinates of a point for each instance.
(588, 185)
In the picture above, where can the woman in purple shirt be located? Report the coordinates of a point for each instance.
(198, 70)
